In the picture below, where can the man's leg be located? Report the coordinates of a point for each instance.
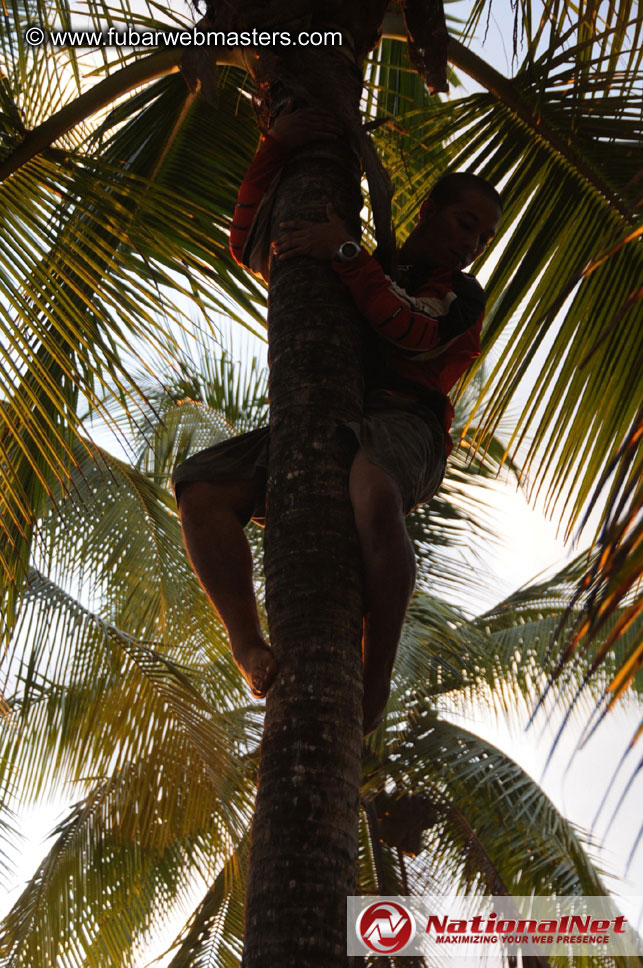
(389, 574)
(213, 517)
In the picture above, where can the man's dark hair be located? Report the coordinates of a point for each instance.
(449, 188)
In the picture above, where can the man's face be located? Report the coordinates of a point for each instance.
(453, 236)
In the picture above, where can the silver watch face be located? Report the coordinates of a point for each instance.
(348, 250)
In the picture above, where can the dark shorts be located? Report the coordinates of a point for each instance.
(400, 435)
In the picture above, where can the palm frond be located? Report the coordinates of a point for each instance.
(122, 246)
(120, 859)
(162, 754)
(562, 138)
(612, 578)
(150, 706)
(214, 932)
(69, 693)
(539, 624)
(471, 786)
(504, 657)
(10, 839)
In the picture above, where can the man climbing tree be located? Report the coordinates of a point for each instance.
(338, 475)
(421, 334)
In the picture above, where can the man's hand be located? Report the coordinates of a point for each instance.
(320, 240)
(294, 127)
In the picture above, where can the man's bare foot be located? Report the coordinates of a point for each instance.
(257, 665)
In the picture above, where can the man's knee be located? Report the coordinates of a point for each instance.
(376, 498)
(199, 499)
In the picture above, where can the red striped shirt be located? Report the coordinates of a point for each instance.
(425, 324)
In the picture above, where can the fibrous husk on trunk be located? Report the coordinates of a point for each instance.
(428, 38)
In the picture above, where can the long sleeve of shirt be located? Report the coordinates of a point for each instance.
(423, 342)
(424, 325)
(265, 167)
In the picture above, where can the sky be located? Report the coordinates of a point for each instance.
(575, 781)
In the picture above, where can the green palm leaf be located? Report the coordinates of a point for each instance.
(563, 297)
(119, 244)
(462, 813)
(103, 885)
(214, 933)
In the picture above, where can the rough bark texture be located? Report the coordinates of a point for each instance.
(308, 797)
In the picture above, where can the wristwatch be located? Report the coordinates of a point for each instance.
(347, 251)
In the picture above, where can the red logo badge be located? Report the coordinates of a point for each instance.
(385, 927)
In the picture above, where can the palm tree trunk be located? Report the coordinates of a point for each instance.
(305, 834)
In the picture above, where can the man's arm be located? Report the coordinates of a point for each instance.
(292, 128)
(426, 324)
(266, 164)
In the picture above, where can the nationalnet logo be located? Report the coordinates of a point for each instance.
(572, 926)
(386, 927)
